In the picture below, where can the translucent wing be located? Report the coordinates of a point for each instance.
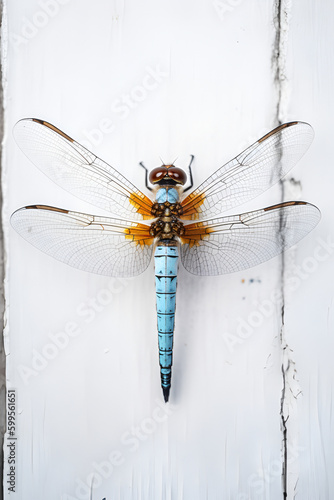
(234, 243)
(250, 173)
(98, 245)
(79, 171)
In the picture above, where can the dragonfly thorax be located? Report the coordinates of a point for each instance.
(167, 209)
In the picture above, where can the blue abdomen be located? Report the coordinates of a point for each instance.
(166, 262)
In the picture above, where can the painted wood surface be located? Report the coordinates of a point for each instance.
(250, 411)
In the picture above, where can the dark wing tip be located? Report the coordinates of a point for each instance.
(281, 127)
(45, 124)
(293, 203)
(36, 207)
(284, 204)
(46, 207)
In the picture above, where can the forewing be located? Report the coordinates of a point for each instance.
(79, 171)
(100, 245)
(234, 243)
(250, 173)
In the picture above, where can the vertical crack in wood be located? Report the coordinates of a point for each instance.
(284, 426)
(278, 64)
(276, 59)
(281, 24)
(2, 273)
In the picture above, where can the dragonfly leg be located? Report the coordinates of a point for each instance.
(190, 174)
(146, 176)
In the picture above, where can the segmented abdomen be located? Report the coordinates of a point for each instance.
(166, 262)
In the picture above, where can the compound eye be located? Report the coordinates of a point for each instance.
(177, 174)
(157, 174)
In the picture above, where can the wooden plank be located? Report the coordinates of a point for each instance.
(133, 83)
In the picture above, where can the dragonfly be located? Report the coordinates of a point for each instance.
(167, 223)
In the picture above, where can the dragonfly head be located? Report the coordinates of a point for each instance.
(167, 175)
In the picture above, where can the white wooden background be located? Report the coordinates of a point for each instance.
(136, 81)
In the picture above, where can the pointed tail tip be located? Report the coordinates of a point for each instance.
(165, 391)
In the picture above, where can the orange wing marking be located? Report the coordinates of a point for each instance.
(139, 234)
(142, 204)
(192, 206)
(194, 233)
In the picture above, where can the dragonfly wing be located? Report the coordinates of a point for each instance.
(79, 171)
(228, 244)
(100, 245)
(250, 173)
